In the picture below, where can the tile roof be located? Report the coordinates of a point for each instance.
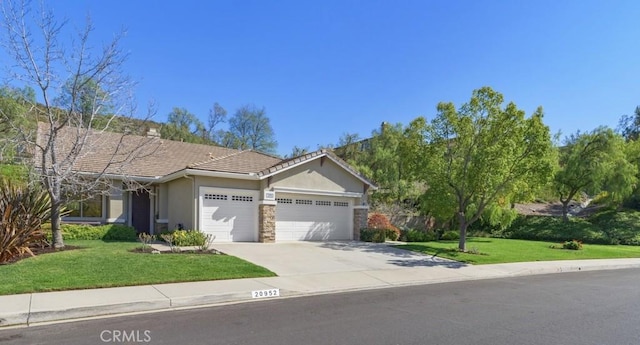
(153, 157)
(132, 155)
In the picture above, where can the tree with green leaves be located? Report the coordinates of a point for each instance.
(350, 147)
(383, 158)
(591, 163)
(84, 97)
(182, 125)
(481, 156)
(250, 128)
(297, 151)
(629, 125)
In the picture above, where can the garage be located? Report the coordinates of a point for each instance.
(301, 217)
(231, 215)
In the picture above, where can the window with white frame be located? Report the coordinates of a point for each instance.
(87, 207)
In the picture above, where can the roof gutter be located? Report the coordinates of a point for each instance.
(196, 172)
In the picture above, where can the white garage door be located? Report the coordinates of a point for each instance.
(229, 214)
(313, 218)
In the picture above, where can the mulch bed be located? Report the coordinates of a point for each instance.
(141, 250)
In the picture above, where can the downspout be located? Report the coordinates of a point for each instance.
(195, 210)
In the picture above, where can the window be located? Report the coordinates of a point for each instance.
(323, 203)
(341, 203)
(215, 197)
(304, 202)
(88, 208)
(242, 198)
(284, 201)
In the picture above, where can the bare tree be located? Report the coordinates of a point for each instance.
(217, 116)
(74, 84)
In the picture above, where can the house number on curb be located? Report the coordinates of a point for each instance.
(265, 293)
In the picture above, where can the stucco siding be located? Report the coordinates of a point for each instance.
(329, 176)
(205, 181)
(116, 208)
(180, 201)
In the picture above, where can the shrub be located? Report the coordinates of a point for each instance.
(107, 232)
(146, 240)
(82, 232)
(413, 235)
(392, 234)
(545, 228)
(119, 232)
(23, 209)
(372, 235)
(619, 227)
(185, 238)
(380, 221)
(450, 235)
(573, 245)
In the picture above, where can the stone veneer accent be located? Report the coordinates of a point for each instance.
(360, 214)
(267, 223)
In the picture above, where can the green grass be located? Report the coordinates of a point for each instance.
(498, 250)
(108, 264)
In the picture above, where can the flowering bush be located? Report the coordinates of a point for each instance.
(380, 221)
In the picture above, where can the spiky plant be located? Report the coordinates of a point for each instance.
(23, 209)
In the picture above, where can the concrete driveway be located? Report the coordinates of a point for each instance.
(300, 258)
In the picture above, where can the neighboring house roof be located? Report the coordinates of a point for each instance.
(153, 158)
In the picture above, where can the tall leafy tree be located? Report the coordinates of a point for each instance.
(350, 147)
(481, 155)
(591, 163)
(250, 128)
(384, 158)
(182, 125)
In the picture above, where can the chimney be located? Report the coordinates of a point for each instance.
(153, 133)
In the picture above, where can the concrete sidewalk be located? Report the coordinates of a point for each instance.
(31, 309)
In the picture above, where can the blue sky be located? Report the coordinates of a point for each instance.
(324, 68)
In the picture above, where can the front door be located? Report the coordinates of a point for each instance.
(140, 210)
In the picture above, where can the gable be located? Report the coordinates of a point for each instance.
(318, 174)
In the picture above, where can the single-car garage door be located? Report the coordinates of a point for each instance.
(229, 214)
(313, 218)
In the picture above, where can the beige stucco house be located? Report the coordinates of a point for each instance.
(234, 195)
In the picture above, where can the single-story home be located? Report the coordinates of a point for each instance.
(235, 195)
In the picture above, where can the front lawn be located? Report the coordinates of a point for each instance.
(108, 264)
(499, 250)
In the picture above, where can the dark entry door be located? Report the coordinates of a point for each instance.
(140, 209)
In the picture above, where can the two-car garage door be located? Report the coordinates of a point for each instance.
(232, 215)
(302, 217)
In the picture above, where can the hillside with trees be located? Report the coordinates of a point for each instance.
(470, 166)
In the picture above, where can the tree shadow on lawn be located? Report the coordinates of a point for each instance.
(402, 256)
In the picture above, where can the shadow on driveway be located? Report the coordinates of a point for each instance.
(399, 257)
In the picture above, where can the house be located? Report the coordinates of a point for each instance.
(232, 194)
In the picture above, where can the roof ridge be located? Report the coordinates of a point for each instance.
(213, 159)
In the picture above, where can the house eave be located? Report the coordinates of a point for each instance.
(196, 172)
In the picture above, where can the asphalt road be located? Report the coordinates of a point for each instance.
(572, 308)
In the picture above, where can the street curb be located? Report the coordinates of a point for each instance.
(38, 317)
